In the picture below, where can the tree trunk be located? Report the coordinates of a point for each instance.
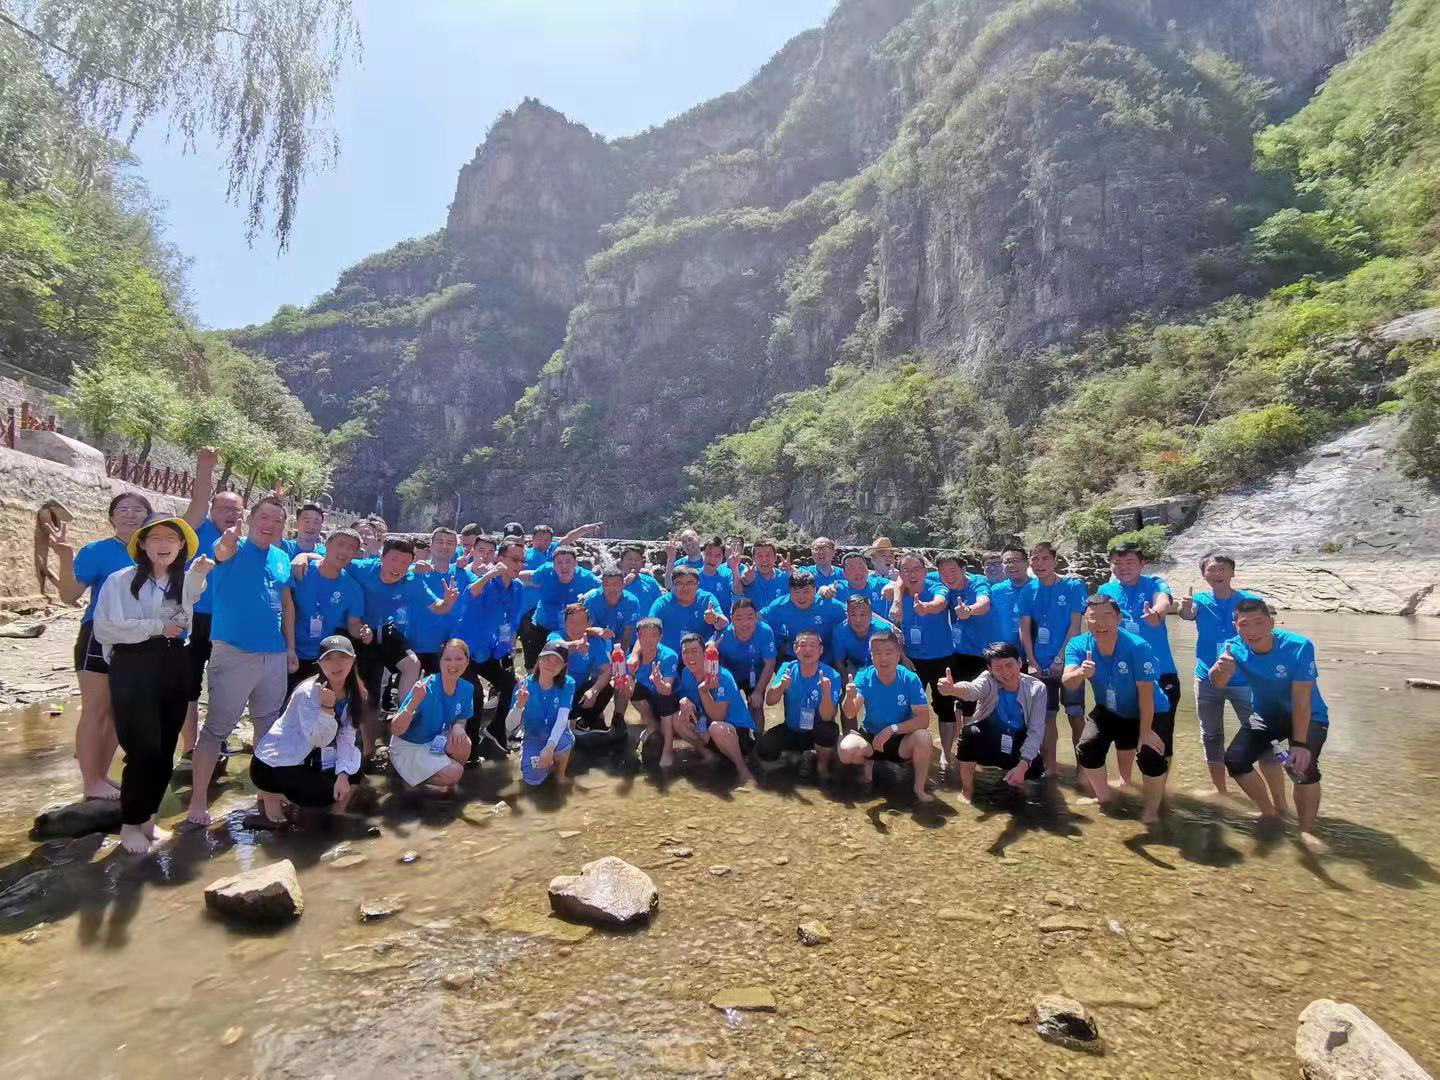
(248, 485)
(224, 478)
(145, 448)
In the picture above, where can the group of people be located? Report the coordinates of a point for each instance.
(355, 651)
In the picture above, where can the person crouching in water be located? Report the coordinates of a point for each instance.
(543, 702)
(310, 756)
(1008, 728)
(140, 620)
(428, 744)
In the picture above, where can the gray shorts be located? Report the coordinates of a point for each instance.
(240, 679)
(1210, 708)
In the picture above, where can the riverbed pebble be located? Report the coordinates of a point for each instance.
(265, 894)
(813, 932)
(745, 999)
(1336, 1041)
(1065, 1022)
(606, 892)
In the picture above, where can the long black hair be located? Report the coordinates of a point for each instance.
(174, 573)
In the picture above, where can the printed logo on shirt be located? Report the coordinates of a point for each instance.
(1281, 671)
(1148, 668)
(1123, 668)
(335, 597)
(1310, 673)
(901, 699)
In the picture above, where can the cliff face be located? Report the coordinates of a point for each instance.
(967, 178)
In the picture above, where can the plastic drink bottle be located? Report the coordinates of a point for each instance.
(619, 676)
(712, 661)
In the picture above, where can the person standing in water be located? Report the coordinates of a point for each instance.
(140, 620)
(1213, 614)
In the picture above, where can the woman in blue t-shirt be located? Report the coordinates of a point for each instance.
(428, 744)
(543, 702)
(87, 569)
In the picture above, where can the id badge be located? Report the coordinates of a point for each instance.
(437, 744)
(957, 636)
(1131, 625)
(1006, 744)
(702, 722)
(503, 634)
(317, 625)
(274, 599)
(807, 719)
(402, 616)
(1043, 636)
(915, 635)
(327, 758)
(1110, 698)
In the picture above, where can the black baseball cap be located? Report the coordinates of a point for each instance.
(512, 528)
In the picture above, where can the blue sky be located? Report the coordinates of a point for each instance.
(435, 75)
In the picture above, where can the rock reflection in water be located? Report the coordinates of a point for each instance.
(1195, 947)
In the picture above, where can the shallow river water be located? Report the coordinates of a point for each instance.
(1197, 948)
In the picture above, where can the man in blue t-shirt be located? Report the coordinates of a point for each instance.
(1004, 594)
(718, 570)
(1050, 608)
(489, 618)
(227, 509)
(811, 693)
(1144, 601)
(850, 641)
(253, 631)
(764, 582)
(653, 671)
(560, 582)
(543, 546)
(309, 526)
(747, 649)
(713, 712)
(639, 582)
(802, 610)
(327, 601)
(430, 629)
(613, 609)
(588, 664)
(1213, 614)
(896, 723)
(1131, 711)
(1285, 697)
(858, 579)
(685, 609)
(823, 569)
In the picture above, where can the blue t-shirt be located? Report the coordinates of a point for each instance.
(873, 590)
(249, 592)
(823, 577)
(557, 595)
(677, 620)
(802, 696)
(1215, 625)
(534, 559)
(1116, 675)
(617, 619)
(669, 661)
(787, 621)
(323, 607)
(1132, 600)
(292, 547)
(851, 648)
(970, 636)
(543, 706)
(738, 714)
(585, 665)
(745, 659)
(888, 703)
(765, 591)
(97, 561)
(1050, 608)
(487, 623)
(439, 710)
(927, 637)
(207, 534)
(428, 630)
(646, 590)
(1009, 712)
(1271, 675)
(1005, 611)
(721, 585)
(395, 602)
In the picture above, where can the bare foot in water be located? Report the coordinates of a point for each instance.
(196, 819)
(1313, 844)
(134, 840)
(923, 796)
(156, 834)
(102, 789)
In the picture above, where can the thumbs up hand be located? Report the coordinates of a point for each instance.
(1225, 662)
(946, 684)
(1088, 667)
(1187, 604)
(229, 540)
(824, 688)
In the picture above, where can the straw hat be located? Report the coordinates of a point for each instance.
(180, 525)
(882, 544)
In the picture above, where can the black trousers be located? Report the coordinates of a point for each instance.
(593, 717)
(149, 696)
(930, 672)
(531, 638)
(199, 650)
(500, 674)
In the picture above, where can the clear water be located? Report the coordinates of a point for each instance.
(1209, 940)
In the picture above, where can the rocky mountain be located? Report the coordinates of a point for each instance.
(962, 180)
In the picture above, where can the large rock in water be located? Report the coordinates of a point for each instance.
(267, 894)
(606, 892)
(1339, 1042)
(1065, 1022)
(78, 818)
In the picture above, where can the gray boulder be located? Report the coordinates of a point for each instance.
(78, 818)
(1339, 1042)
(1065, 1022)
(267, 894)
(606, 892)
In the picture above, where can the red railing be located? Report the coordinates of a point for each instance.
(24, 421)
(166, 481)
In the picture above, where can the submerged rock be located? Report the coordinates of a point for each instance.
(79, 818)
(1065, 1022)
(745, 998)
(813, 932)
(266, 894)
(380, 907)
(606, 892)
(1056, 923)
(1339, 1042)
(1099, 982)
